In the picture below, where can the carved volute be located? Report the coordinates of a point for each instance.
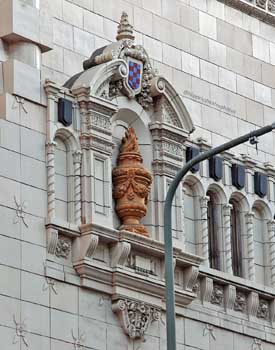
(131, 185)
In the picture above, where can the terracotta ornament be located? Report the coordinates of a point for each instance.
(131, 185)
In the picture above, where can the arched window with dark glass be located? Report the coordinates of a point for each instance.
(236, 241)
(213, 218)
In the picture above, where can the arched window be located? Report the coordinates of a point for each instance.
(261, 250)
(192, 194)
(236, 240)
(213, 238)
(189, 220)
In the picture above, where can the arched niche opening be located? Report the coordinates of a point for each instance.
(64, 176)
(131, 114)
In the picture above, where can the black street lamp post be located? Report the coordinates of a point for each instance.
(169, 268)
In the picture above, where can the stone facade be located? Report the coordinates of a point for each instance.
(71, 277)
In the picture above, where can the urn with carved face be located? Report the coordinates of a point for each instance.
(131, 183)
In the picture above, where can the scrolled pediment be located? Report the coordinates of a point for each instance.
(123, 68)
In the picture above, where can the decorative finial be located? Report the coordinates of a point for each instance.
(125, 29)
(129, 142)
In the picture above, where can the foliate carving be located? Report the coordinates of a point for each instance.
(263, 309)
(240, 302)
(63, 248)
(135, 316)
(131, 185)
(145, 98)
(217, 295)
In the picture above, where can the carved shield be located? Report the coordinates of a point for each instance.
(134, 78)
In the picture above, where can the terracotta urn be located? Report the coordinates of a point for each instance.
(131, 183)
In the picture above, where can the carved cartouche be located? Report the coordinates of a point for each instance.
(131, 185)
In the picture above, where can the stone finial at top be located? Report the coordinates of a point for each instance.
(124, 29)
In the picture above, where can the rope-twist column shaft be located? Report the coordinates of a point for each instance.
(204, 230)
(271, 239)
(50, 149)
(227, 237)
(77, 187)
(250, 246)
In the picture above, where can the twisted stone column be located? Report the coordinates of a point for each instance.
(271, 239)
(77, 156)
(250, 246)
(183, 218)
(50, 149)
(204, 230)
(227, 237)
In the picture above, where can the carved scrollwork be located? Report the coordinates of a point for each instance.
(135, 316)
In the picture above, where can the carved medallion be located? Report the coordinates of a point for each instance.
(131, 185)
(135, 316)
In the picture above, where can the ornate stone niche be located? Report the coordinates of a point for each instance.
(131, 183)
(119, 89)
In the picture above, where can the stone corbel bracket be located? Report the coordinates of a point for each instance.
(135, 316)
(84, 247)
(120, 253)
